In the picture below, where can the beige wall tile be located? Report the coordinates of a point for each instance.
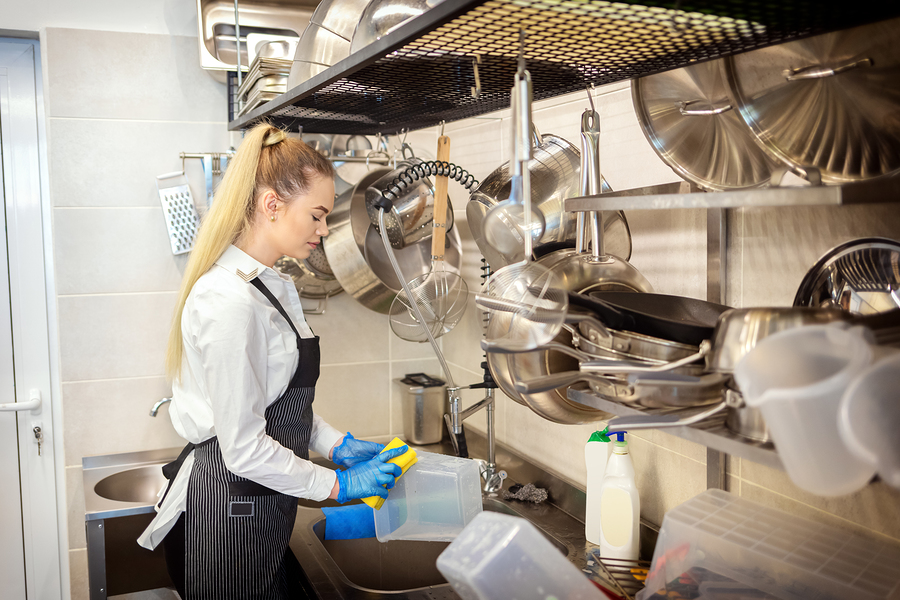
(114, 250)
(75, 507)
(112, 416)
(78, 574)
(358, 400)
(113, 336)
(664, 479)
(129, 76)
(114, 162)
(350, 332)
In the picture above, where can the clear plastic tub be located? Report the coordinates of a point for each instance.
(433, 501)
(716, 536)
(501, 557)
(796, 378)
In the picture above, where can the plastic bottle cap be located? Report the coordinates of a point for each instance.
(620, 436)
(600, 436)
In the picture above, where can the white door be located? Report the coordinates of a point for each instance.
(29, 533)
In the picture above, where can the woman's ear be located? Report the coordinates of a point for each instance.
(270, 204)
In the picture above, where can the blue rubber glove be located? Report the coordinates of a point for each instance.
(370, 478)
(353, 451)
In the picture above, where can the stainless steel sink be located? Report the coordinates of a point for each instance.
(398, 565)
(366, 569)
(139, 484)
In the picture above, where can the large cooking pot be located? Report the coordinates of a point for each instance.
(358, 258)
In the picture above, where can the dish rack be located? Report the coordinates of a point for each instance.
(626, 576)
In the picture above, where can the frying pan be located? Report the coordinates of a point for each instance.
(675, 318)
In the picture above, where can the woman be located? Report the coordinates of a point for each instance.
(243, 365)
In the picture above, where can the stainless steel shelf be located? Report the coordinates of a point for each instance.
(711, 433)
(684, 195)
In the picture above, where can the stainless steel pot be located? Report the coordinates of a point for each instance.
(357, 256)
(555, 172)
(740, 329)
(411, 218)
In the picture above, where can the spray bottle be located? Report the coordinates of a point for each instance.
(620, 506)
(596, 455)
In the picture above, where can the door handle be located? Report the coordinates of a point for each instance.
(33, 403)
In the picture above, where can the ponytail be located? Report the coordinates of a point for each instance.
(266, 159)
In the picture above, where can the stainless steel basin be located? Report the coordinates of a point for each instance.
(398, 565)
(266, 17)
(140, 484)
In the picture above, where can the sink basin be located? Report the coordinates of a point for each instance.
(398, 565)
(140, 484)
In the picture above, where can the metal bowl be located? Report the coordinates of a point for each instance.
(339, 16)
(302, 71)
(381, 17)
(861, 276)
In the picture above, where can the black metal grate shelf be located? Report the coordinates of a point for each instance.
(423, 72)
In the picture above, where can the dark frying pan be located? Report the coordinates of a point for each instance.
(674, 318)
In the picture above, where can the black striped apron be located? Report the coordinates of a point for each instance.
(236, 530)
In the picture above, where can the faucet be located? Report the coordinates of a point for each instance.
(492, 477)
(156, 406)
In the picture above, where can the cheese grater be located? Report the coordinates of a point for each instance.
(179, 211)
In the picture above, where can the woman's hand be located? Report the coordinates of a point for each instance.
(352, 451)
(373, 477)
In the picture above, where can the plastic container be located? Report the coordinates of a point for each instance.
(423, 404)
(797, 378)
(502, 557)
(869, 418)
(787, 556)
(620, 506)
(436, 498)
(596, 455)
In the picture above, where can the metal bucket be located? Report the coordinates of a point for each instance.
(423, 405)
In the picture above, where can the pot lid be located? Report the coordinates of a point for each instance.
(688, 117)
(831, 101)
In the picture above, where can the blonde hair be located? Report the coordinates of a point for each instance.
(267, 160)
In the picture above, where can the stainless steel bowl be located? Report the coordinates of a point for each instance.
(740, 329)
(381, 17)
(339, 16)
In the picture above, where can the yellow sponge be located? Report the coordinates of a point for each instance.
(404, 461)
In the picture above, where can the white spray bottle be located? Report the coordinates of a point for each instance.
(620, 506)
(596, 455)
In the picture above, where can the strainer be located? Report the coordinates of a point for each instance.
(439, 294)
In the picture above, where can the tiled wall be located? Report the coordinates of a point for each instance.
(122, 106)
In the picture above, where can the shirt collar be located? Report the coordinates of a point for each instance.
(234, 260)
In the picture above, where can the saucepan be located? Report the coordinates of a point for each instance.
(411, 218)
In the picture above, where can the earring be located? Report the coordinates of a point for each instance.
(272, 217)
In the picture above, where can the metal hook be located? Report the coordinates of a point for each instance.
(590, 97)
(476, 91)
(521, 63)
(442, 128)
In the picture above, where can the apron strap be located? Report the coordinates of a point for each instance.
(265, 292)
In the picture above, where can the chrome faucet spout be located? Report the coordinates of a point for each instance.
(157, 406)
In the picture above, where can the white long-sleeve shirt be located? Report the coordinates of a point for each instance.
(239, 356)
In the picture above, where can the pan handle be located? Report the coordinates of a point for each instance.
(507, 348)
(555, 381)
(617, 366)
(661, 421)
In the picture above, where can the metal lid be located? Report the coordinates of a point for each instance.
(828, 101)
(689, 119)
